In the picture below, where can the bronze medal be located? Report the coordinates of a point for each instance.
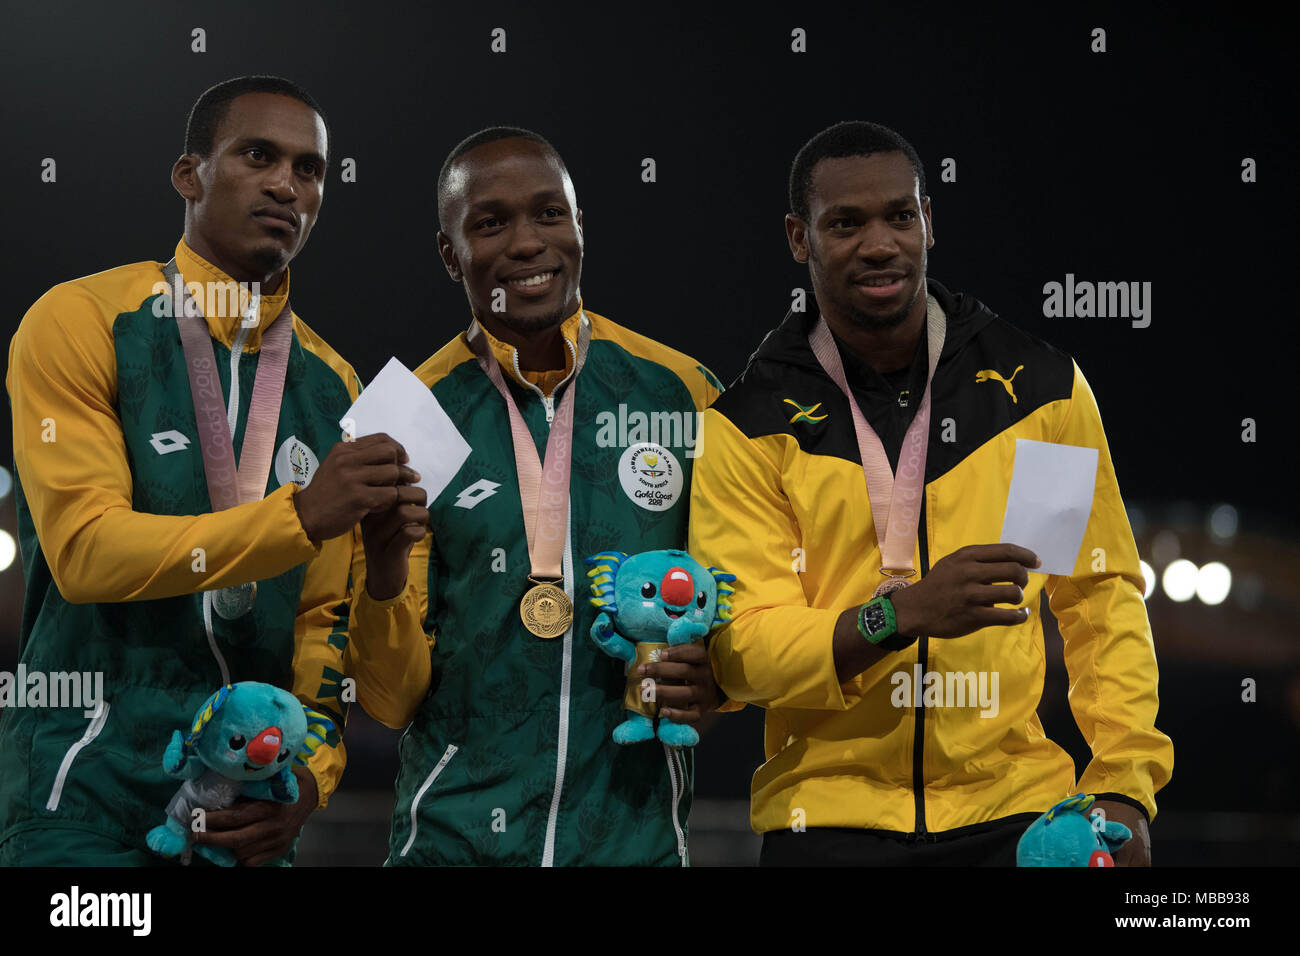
(546, 610)
(890, 585)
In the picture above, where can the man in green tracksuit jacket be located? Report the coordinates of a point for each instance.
(122, 548)
(508, 758)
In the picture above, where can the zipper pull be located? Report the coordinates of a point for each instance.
(549, 402)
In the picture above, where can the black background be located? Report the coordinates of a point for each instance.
(1122, 166)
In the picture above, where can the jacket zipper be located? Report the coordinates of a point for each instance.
(918, 741)
(678, 792)
(419, 794)
(566, 666)
(548, 401)
(562, 731)
(92, 731)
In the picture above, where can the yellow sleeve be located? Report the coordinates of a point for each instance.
(388, 654)
(705, 388)
(777, 651)
(1109, 651)
(71, 460)
(320, 639)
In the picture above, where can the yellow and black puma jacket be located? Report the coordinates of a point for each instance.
(779, 499)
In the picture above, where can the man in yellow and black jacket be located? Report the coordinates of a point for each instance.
(866, 763)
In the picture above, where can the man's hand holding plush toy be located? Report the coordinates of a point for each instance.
(258, 831)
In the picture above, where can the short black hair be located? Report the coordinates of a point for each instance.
(211, 108)
(850, 138)
(475, 140)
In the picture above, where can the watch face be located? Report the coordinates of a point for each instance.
(873, 616)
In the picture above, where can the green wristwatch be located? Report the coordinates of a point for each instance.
(877, 623)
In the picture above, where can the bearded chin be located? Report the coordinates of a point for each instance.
(269, 258)
(538, 324)
(880, 323)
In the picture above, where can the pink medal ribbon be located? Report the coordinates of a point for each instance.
(895, 499)
(230, 484)
(543, 489)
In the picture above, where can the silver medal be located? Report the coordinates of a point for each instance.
(235, 601)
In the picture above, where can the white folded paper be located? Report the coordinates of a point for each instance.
(400, 405)
(1049, 502)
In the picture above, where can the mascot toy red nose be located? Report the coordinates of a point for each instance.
(265, 746)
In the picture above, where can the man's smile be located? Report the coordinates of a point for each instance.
(880, 285)
(533, 282)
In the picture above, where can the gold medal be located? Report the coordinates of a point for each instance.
(546, 610)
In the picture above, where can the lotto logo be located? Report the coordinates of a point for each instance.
(168, 441)
(476, 492)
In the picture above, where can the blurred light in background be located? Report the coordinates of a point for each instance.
(6, 483)
(1249, 591)
(1165, 548)
(1222, 523)
(1179, 580)
(7, 550)
(1213, 582)
(1149, 576)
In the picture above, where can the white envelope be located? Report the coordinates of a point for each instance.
(400, 405)
(1049, 502)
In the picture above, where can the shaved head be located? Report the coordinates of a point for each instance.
(452, 178)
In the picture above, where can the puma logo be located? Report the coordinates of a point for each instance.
(987, 374)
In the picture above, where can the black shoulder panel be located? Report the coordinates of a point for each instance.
(772, 398)
(969, 389)
(775, 398)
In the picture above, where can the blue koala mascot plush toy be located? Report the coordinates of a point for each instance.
(1067, 836)
(647, 602)
(240, 744)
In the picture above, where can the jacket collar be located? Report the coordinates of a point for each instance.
(224, 301)
(787, 344)
(508, 357)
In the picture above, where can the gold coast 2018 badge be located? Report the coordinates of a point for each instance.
(651, 476)
(295, 462)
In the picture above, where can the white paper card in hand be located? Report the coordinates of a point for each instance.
(401, 406)
(1049, 502)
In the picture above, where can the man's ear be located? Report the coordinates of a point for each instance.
(448, 253)
(185, 177)
(796, 233)
(929, 224)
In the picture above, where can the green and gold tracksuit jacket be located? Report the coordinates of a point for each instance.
(118, 540)
(780, 500)
(508, 757)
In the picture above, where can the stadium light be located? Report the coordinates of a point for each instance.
(8, 550)
(1149, 576)
(1213, 582)
(1179, 580)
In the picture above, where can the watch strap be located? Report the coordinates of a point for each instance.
(885, 636)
